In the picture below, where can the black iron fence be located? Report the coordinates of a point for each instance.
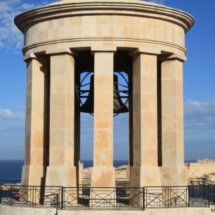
(113, 198)
(166, 197)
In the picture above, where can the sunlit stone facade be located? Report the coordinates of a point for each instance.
(59, 35)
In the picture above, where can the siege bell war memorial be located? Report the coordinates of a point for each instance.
(67, 38)
(104, 58)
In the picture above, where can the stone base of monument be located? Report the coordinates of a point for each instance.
(66, 176)
(61, 175)
(103, 176)
(103, 191)
(145, 176)
(31, 175)
(173, 176)
(8, 210)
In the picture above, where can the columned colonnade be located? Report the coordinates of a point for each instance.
(53, 119)
(153, 36)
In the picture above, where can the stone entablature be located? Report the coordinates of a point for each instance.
(83, 24)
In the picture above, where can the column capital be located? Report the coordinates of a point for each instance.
(172, 56)
(29, 57)
(103, 49)
(60, 51)
(149, 51)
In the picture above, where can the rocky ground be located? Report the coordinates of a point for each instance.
(202, 171)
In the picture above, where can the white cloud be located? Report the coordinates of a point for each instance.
(199, 116)
(10, 36)
(7, 114)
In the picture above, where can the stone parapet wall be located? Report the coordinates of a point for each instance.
(8, 210)
(11, 210)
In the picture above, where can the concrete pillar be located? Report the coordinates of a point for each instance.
(103, 172)
(173, 171)
(145, 170)
(33, 169)
(61, 170)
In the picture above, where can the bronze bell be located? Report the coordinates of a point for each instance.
(119, 106)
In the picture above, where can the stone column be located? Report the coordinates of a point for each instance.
(130, 132)
(33, 169)
(145, 170)
(61, 170)
(173, 171)
(77, 134)
(103, 172)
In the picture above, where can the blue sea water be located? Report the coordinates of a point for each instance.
(12, 169)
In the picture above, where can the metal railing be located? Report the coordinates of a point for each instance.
(111, 198)
(29, 196)
(121, 197)
(166, 197)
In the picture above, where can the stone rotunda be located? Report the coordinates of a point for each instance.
(66, 38)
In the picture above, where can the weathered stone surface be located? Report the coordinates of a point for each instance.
(150, 34)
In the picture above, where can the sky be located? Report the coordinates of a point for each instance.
(199, 85)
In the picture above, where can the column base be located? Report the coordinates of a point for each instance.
(103, 192)
(145, 176)
(128, 173)
(103, 177)
(173, 176)
(61, 176)
(32, 175)
(80, 173)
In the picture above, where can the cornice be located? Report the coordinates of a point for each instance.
(136, 8)
(71, 40)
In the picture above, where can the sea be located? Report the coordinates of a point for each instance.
(11, 170)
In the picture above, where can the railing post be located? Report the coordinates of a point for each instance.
(188, 194)
(62, 193)
(57, 201)
(209, 195)
(167, 197)
(11, 194)
(30, 190)
(144, 206)
(34, 196)
(0, 192)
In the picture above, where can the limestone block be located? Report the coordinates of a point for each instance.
(145, 176)
(172, 113)
(32, 175)
(8, 210)
(144, 115)
(103, 187)
(145, 157)
(173, 176)
(103, 176)
(34, 132)
(61, 176)
(61, 170)
(103, 121)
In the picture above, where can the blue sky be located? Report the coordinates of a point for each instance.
(199, 85)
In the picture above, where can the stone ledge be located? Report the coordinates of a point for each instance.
(138, 8)
(8, 210)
